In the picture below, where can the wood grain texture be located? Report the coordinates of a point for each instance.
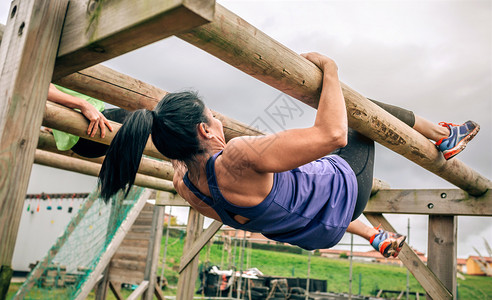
(430, 202)
(131, 94)
(96, 31)
(198, 244)
(27, 57)
(243, 46)
(152, 260)
(442, 249)
(170, 199)
(92, 169)
(428, 280)
(142, 287)
(187, 278)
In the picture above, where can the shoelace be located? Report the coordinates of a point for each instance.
(446, 124)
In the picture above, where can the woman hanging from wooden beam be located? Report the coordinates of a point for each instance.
(305, 187)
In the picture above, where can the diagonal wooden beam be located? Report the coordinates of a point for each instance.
(96, 31)
(198, 244)
(243, 46)
(430, 202)
(428, 280)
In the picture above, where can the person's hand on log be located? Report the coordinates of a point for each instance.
(326, 64)
(96, 119)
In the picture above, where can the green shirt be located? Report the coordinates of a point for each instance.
(65, 141)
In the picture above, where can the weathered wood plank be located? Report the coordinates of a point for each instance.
(131, 94)
(113, 246)
(198, 244)
(243, 46)
(96, 31)
(431, 202)
(153, 253)
(102, 285)
(139, 291)
(126, 276)
(428, 280)
(187, 278)
(27, 58)
(442, 249)
(136, 236)
(130, 265)
(170, 199)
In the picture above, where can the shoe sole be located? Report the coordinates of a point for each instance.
(394, 248)
(448, 154)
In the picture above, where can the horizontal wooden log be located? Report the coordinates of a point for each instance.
(151, 167)
(243, 46)
(169, 199)
(92, 169)
(130, 265)
(96, 31)
(430, 202)
(68, 120)
(428, 280)
(129, 93)
(378, 184)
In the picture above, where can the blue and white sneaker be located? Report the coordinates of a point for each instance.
(387, 243)
(458, 138)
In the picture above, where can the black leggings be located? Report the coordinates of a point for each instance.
(359, 153)
(91, 149)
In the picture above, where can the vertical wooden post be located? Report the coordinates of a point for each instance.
(27, 59)
(187, 278)
(102, 285)
(154, 249)
(442, 248)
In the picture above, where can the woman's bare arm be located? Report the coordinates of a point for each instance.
(95, 117)
(292, 148)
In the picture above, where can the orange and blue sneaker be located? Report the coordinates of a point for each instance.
(458, 138)
(387, 243)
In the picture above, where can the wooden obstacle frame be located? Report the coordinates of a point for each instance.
(54, 42)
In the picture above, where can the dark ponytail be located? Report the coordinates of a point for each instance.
(173, 124)
(123, 157)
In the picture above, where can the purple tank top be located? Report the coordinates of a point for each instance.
(309, 206)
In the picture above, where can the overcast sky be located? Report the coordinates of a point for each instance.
(433, 57)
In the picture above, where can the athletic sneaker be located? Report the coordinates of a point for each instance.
(457, 140)
(387, 243)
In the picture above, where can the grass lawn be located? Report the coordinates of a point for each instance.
(335, 271)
